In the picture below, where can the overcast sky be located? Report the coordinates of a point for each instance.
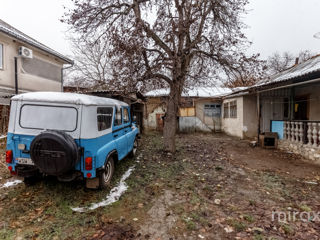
(274, 25)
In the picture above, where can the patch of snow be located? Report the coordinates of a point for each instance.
(11, 183)
(313, 183)
(193, 92)
(3, 136)
(113, 196)
(65, 97)
(228, 229)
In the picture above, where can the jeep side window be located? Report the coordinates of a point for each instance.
(126, 118)
(118, 117)
(104, 117)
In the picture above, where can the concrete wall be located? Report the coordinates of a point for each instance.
(150, 123)
(312, 154)
(192, 124)
(250, 116)
(234, 126)
(214, 123)
(199, 122)
(26, 81)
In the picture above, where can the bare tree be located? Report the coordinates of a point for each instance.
(242, 82)
(91, 65)
(168, 41)
(305, 55)
(277, 62)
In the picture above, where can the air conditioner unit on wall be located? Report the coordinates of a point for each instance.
(25, 52)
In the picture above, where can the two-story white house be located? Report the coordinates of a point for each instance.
(26, 65)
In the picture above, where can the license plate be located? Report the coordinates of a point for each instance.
(26, 161)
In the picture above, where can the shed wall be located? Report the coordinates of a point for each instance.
(234, 126)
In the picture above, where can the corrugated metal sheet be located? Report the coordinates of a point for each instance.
(310, 66)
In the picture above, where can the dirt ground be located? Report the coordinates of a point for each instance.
(214, 187)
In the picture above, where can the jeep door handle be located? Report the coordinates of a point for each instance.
(116, 135)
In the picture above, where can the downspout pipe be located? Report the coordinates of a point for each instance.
(62, 69)
(259, 115)
(16, 75)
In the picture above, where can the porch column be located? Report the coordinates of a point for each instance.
(288, 131)
(315, 135)
(309, 134)
(301, 132)
(296, 131)
(319, 134)
(292, 93)
(292, 131)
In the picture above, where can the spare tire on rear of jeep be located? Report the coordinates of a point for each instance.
(54, 152)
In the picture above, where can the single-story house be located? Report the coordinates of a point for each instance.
(287, 103)
(199, 110)
(26, 65)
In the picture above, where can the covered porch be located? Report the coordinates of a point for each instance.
(294, 113)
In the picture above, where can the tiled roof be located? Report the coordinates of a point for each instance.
(15, 33)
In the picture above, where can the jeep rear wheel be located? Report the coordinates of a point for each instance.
(106, 174)
(54, 152)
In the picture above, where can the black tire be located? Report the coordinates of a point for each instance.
(134, 150)
(54, 152)
(31, 180)
(105, 175)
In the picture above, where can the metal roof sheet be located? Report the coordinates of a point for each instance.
(308, 67)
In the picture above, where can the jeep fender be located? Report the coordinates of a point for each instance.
(104, 152)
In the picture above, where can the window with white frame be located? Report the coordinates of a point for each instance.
(230, 109)
(226, 110)
(233, 109)
(1, 56)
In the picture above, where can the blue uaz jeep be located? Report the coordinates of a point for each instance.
(69, 135)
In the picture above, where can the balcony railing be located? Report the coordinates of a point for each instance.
(304, 132)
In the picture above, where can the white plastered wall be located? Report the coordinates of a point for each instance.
(234, 126)
(151, 121)
(25, 81)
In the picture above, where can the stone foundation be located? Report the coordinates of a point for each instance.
(310, 153)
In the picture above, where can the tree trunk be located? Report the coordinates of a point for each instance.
(170, 120)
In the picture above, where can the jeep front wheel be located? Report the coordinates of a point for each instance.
(106, 174)
(133, 152)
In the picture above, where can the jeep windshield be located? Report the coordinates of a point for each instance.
(48, 117)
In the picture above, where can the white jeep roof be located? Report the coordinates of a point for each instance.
(70, 98)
